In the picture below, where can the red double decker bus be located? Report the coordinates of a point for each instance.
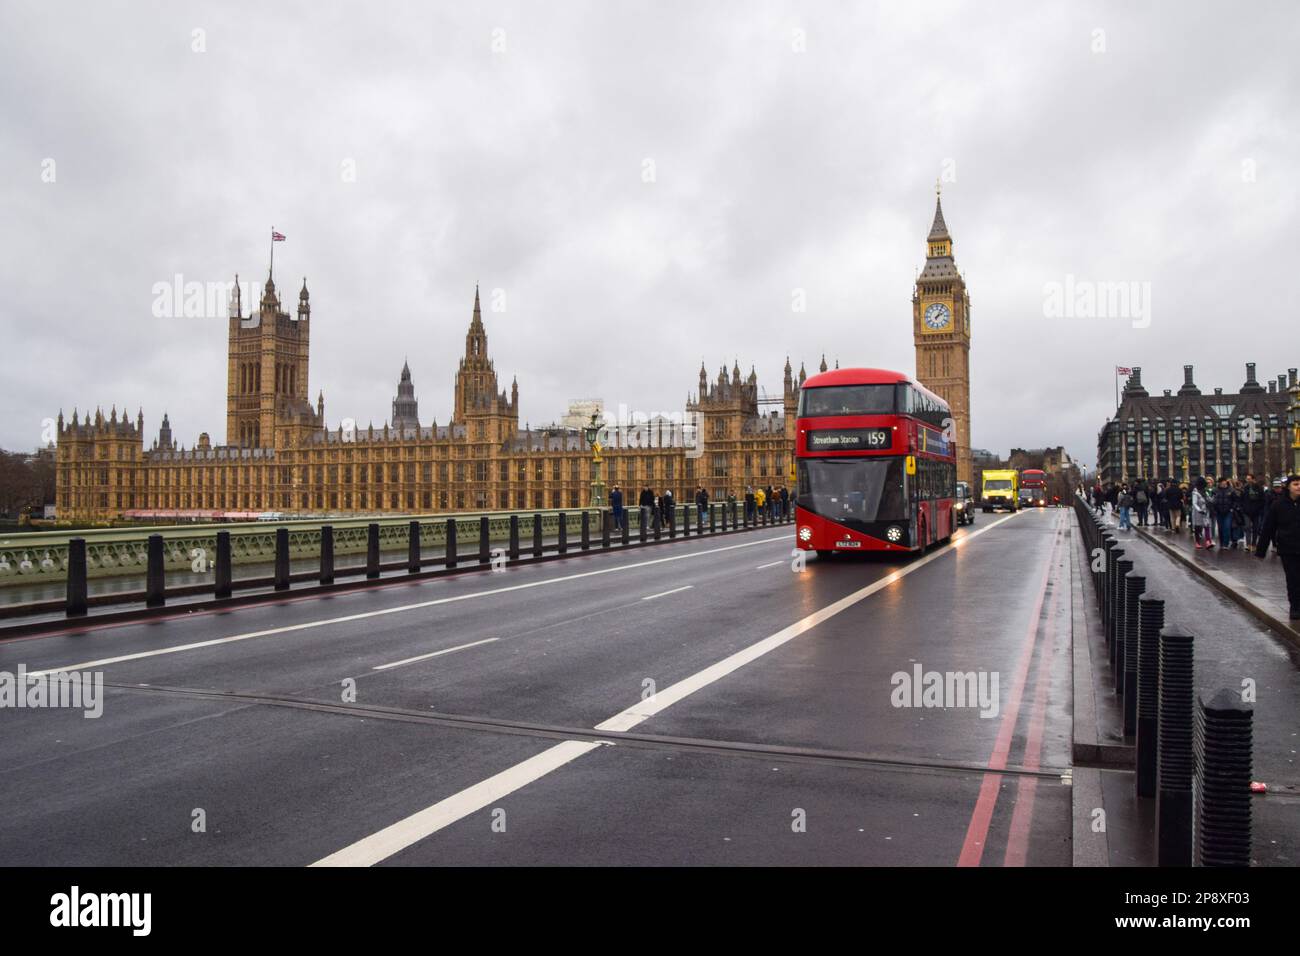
(876, 471)
(1033, 487)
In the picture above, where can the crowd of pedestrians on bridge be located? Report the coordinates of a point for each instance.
(1228, 514)
(773, 503)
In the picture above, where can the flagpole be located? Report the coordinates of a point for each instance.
(1116, 369)
(271, 274)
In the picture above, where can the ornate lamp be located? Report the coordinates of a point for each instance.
(592, 433)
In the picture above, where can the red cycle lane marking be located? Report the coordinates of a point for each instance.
(1027, 787)
(977, 832)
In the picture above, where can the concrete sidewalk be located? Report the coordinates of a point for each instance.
(1257, 585)
(1238, 644)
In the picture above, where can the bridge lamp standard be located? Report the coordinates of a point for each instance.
(592, 433)
(1293, 419)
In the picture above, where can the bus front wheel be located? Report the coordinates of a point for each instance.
(823, 555)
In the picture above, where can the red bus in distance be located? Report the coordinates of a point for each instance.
(876, 464)
(1033, 487)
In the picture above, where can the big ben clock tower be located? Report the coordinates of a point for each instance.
(941, 329)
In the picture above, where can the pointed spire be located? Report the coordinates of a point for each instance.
(939, 230)
(304, 295)
(476, 323)
(823, 366)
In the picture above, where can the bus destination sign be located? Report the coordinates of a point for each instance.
(849, 439)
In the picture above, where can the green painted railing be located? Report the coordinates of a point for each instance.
(43, 556)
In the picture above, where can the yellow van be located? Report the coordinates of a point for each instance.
(1001, 490)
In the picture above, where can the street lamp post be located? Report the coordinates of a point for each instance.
(1293, 414)
(592, 433)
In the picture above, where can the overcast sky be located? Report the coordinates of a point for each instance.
(790, 147)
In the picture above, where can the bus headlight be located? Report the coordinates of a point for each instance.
(805, 533)
(895, 533)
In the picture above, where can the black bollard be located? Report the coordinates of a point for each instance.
(326, 554)
(484, 542)
(627, 528)
(450, 550)
(413, 548)
(713, 519)
(1135, 585)
(76, 596)
(686, 520)
(656, 523)
(672, 522)
(641, 521)
(221, 570)
(155, 587)
(563, 533)
(537, 536)
(1119, 615)
(586, 530)
(605, 520)
(1221, 782)
(1151, 618)
(282, 559)
(513, 551)
(372, 550)
(725, 509)
(1174, 760)
(1108, 622)
(734, 506)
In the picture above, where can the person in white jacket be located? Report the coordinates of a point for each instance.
(1201, 517)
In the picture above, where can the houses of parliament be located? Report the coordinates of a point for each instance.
(282, 456)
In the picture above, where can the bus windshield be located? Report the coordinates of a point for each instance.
(847, 400)
(853, 489)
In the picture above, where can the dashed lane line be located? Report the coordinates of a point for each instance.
(651, 597)
(425, 657)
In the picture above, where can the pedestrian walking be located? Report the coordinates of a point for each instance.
(1174, 505)
(1254, 506)
(1125, 508)
(1222, 505)
(1142, 503)
(616, 506)
(1281, 529)
(1201, 533)
(701, 503)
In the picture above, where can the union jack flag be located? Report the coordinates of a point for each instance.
(276, 237)
(1119, 369)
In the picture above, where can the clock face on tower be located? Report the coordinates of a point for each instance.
(937, 317)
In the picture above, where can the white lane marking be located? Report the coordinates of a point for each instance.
(379, 846)
(770, 564)
(103, 662)
(425, 657)
(392, 839)
(651, 597)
